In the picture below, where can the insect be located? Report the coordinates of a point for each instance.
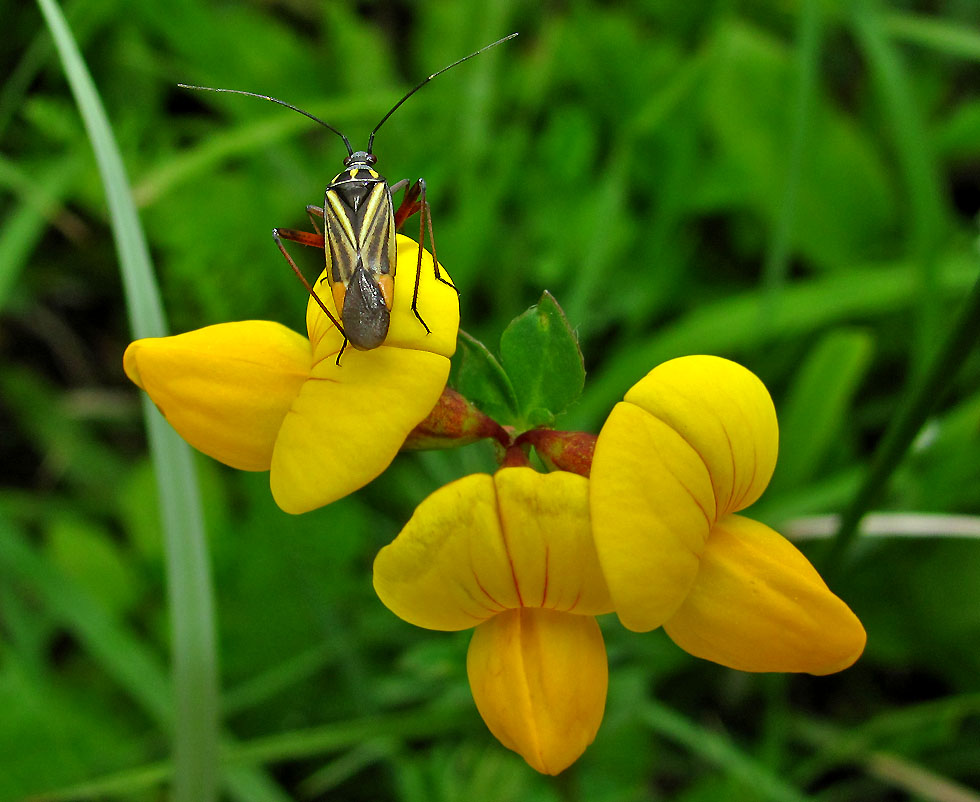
(359, 221)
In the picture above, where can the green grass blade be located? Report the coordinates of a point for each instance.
(142, 299)
(907, 422)
(812, 421)
(940, 35)
(720, 751)
(920, 176)
(809, 34)
(189, 587)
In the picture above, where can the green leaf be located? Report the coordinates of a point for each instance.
(540, 352)
(477, 374)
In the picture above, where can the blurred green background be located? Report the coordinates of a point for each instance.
(794, 185)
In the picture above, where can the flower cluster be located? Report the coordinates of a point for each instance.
(529, 559)
(642, 521)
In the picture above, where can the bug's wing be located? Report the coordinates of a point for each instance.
(377, 232)
(342, 243)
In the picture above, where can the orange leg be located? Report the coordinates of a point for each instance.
(414, 202)
(314, 241)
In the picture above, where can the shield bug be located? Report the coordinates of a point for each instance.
(359, 221)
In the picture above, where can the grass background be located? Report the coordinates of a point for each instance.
(792, 185)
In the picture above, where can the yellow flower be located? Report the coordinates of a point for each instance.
(693, 443)
(512, 555)
(260, 397)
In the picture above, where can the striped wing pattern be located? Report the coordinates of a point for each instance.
(359, 225)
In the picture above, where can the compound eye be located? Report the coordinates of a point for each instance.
(372, 159)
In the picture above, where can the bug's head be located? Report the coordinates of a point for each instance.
(361, 158)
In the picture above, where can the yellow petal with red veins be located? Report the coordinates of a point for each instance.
(438, 304)
(726, 415)
(224, 388)
(652, 508)
(539, 679)
(483, 544)
(759, 605)
(348, 421)
(447, 569)
(548, 539)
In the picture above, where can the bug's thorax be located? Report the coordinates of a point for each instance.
(359, 171)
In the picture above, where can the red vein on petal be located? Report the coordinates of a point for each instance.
(500, 607)
(547, 567)
(739, 505)
(697, 502)
(704, 462)
(503, 537)
(731, 456)
(323, 358)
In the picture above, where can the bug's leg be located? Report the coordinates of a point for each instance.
(340, 353)
(315, 213)
(299, 237)
(410, 201)
(397, 187)
(411, 205)
(413, 202)
(426, 218)
(305, 238)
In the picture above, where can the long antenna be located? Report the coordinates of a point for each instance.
(423, 83)
(350, 150)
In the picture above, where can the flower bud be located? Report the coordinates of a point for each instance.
(453, 422)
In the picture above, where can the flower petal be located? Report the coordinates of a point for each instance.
(548, 539)
(539, 680)
(438, 304)
(725, 413)
(224, 388)
(447, 568)
(759, 605)
(652, 508)
(348, 422)
(483, 544)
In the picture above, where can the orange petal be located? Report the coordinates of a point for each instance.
(759, 605)
(539, 680)
(224, 388)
